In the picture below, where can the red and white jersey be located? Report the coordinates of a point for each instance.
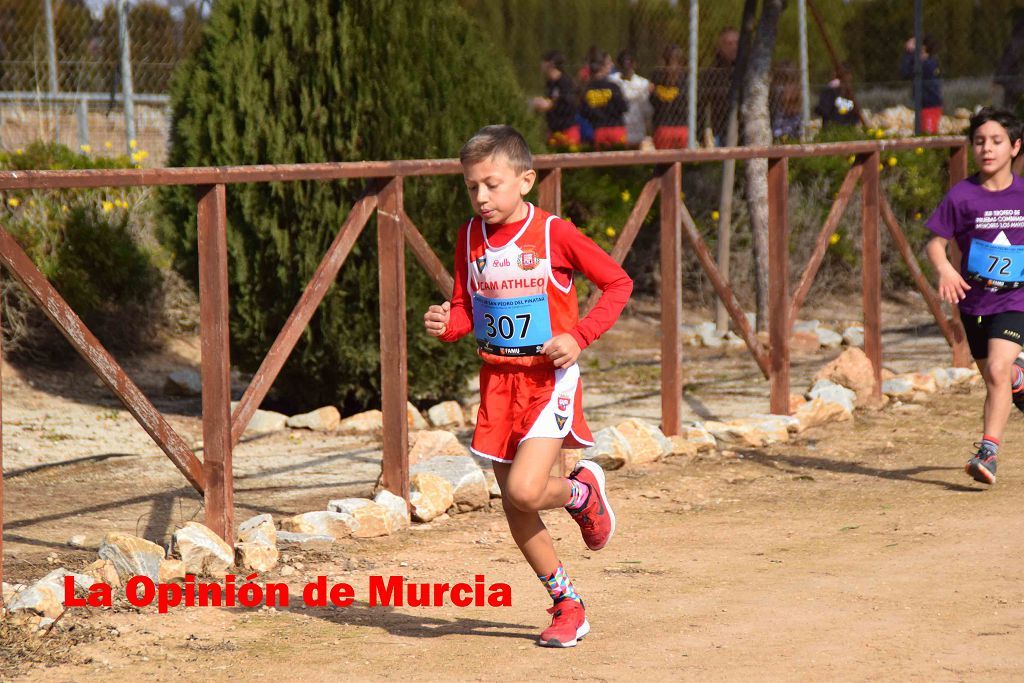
(514, 285)
(518, 304)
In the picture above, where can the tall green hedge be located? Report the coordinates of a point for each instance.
(277, 81)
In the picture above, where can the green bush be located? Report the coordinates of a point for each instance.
(333, 80)
(90, 246)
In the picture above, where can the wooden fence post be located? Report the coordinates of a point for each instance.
(394, 359)
(871, 266)
(671, 299)
(549, 191)
(778, 283)
(216, 369)
(1, 462)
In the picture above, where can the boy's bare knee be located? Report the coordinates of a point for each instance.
(524, 498)
(998, 372)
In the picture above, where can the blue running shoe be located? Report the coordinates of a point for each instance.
(982, 467)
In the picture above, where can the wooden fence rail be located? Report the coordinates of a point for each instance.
(383, 196)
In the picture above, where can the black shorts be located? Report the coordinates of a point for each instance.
(1008, 325)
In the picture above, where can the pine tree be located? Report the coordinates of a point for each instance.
(276, 81)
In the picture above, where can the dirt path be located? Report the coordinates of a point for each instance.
(862, 552)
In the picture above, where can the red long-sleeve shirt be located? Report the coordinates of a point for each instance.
(570, 251)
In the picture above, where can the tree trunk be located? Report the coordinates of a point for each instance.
(729, 165)
(757, 131)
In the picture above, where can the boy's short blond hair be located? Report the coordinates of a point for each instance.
(499, 140)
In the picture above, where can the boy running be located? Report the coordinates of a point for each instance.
(514, 290)
(984, 215)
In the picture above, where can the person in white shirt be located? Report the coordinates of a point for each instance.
(636, 89)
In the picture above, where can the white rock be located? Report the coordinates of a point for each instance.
(369, 422)
(853, 336)
(305, 541)
(183, 383)
(469, 487)
(950, 377)
(610, 449)
(320, 523)
(431, 443)
(256, 556)
(324, 419)
(819, 411)
(396, 506)
(733, 341)
(695, 433)
(415, 418)
(806, 326)
(132, 556)
(646, 442)
(791, 423)
(749, 432)
(430, 496)
(258, 529)
(829, 339)
(203, 552)
(832, 392)
(446, 414)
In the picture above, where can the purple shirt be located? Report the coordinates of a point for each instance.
(969, 211)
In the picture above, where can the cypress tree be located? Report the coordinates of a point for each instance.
(276, 81)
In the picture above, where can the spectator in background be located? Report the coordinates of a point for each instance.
(787, 120)
(714, 82)
(604, 106)
(636, 89)
(560, 103)
(1010, 71)
(669, 99)
(931, 82)
(835, 103)
(594, 54)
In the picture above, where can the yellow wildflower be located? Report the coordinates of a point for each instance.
(138, 156)
(879, 134)
(852, 159)
(31, 202)
(107, 206)
(13, 202)
(625, 195)
(892, 161)
(64, 208)
(919, 150)
(108, 145)
(871, 132)
(917, 216)
(133, 143)
(715, 215)
(85, 148)
(610, 231)
(19, 151)
(880, 167)
(834, 239)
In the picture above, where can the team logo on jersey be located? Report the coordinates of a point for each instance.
(563, 403)
(560, 420)
(481, 263)
(528, 259)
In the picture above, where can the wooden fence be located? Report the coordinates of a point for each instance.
(383, 195)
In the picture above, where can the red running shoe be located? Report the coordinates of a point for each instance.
(568, 625)
(596, 519)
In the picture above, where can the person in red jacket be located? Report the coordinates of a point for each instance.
(514, 266)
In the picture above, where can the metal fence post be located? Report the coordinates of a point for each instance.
(671, 299)
(127, 88)
(394, 356)
(82, 115)
(691, 104)
(51, 58)
(216, 369)
(778, 283)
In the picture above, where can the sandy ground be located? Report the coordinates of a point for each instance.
(861, 551)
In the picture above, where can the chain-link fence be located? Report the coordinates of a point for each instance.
(63, 72)
(971, 43)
